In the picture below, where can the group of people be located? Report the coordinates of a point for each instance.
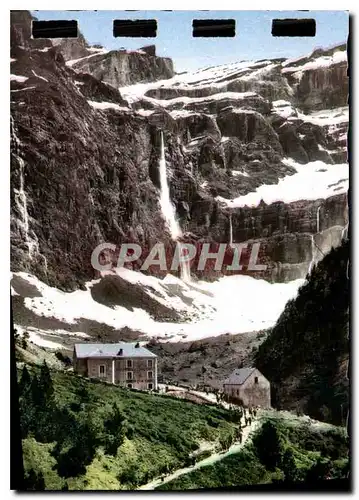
(246, 414)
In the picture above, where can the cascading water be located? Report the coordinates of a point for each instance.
(230, 230)
(21, 201)
(168, 210)
(312, 262)
(318, 219)
(169, 214)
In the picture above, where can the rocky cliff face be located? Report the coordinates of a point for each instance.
(84, 162)
(121, 67)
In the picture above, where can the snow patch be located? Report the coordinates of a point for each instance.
(18, 78)
(236, 173)
(232, 304)
(35, 338)
(107, 105)
(320, 62)
(74, 61)
(41, 77)
(311, 182)
(327, 117)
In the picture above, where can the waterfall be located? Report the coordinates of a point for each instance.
(230, 230)
(21, 203)
(168, 210)
(318, 221)
(185, 267)
(21, 199)
(169, 213)
(312, 262)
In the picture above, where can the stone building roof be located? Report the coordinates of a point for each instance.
(118, 350)
(239, 376)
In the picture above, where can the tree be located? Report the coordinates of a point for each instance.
(319, 471)
(34, 481)
(45, 383)
(115, 427)
(269, 446)
(289, 466)
(25, 381)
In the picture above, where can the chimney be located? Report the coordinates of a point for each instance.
(137, 345)
(120, 352)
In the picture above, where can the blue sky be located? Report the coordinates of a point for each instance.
(253, 38)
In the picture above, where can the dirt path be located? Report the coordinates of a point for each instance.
(216, 457)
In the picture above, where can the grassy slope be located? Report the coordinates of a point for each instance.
(165, 432)
(244, 468)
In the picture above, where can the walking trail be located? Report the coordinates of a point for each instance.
(216, 457)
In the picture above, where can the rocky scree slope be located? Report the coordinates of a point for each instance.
(84, 157)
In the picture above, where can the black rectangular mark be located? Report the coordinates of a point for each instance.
(293, 27)
(214, 27)
(54, 29)
(146, 28)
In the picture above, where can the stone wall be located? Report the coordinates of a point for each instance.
(139, 368)
(251, 393)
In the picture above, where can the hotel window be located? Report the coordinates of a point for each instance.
(150, 386)
(102, 370)
(149, 363)
(129, 375)
(129, 386)
(129, 363)
(256, 380)
(149, 374)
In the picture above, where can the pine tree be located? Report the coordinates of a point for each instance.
(45, 383)
(26, 403)
(289, 466)
(34, 481)
(318, 471)
(269, 446)
(25, 381)
(37, 396)
(115, 430)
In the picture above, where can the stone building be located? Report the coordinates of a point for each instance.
(125, 364)
(248, 387)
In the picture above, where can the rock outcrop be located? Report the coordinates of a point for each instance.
(122, 67)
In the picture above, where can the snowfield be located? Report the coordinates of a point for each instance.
(217, 77)
(18, 78)
(107, 105)
(232, 304)
(312, 181)
(320, 62)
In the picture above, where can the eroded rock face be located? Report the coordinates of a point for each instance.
(119, 68)
(318, 84)
(84, 163)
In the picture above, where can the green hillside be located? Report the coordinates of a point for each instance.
(280, 451)
(81, 434)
